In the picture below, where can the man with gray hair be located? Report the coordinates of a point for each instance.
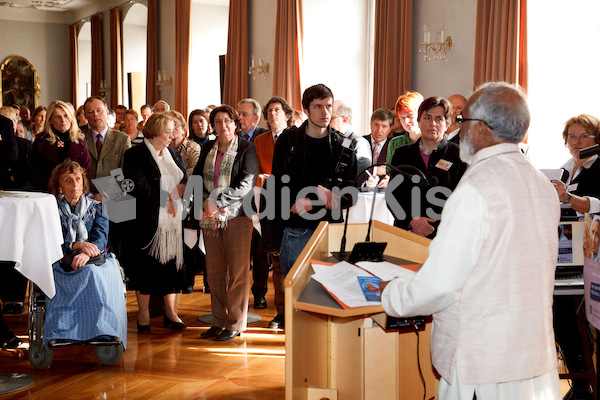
(249, 110)
(341, 120)
(489, 277)
(161, 106)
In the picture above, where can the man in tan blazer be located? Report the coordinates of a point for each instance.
(106, 146)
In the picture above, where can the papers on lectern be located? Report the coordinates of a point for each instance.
(357, 285)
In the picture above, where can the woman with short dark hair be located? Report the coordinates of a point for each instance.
(439, 162)
(229, 167)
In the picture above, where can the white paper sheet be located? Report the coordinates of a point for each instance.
(341, 280)
(384, 270)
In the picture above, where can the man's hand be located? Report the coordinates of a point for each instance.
(331, 201)
(301, 206)
(383, 182)
(421, 226)
(382, 285)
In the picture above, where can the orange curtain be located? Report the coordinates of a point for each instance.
(97, 59)
(501, 42)
(182, 54)
(152, 55)
(235, 82)
(393, 51)
(288, 52)
(73, 73)
(116, 87)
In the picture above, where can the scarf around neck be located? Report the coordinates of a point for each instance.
(73, 221)
(219, 220)
(167, 243)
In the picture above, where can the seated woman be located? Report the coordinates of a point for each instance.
(440, 162)
(89, 300)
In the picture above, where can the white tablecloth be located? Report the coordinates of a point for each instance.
(360, 212)
(31, 235)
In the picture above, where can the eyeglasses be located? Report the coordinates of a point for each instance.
(460, 119)
(572, 138)
(223, 121)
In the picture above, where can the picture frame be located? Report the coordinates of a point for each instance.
(20, 83)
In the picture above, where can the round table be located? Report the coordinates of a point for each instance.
(31, 236)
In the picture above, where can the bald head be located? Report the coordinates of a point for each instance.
(458, 102)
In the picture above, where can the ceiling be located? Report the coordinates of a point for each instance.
(47, 5)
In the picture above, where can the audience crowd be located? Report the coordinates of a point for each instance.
(159, 150)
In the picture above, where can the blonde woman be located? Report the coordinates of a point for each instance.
(60, 139)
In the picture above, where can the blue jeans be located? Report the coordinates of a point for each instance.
(294, 240)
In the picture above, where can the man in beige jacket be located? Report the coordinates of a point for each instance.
(106, 146)
(489, 277)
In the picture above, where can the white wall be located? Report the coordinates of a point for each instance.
(262, 17)
(336, 53)
(209, 40)
(134, 45)
(444, 78)
(84, 63)
(46, 47)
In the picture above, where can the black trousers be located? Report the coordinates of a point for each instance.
(566, 332)
(260, 266)
(12, 284)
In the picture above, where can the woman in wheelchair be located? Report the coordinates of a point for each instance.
(89, 302)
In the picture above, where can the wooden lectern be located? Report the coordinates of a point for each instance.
(338, 354)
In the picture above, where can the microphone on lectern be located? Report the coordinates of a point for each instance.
(373, 251)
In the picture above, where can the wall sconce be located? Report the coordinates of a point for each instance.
(439, 48)
(262, 69)
(163, 81)
(104, 87)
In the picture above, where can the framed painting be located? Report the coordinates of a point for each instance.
(20, 83)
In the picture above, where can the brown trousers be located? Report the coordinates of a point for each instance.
(227, 270)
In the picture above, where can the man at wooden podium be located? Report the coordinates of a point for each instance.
(489, 277)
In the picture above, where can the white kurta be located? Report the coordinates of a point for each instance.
(458, 283)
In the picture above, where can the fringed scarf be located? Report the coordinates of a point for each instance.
(167, 243)
(209, 225)
(73, 222)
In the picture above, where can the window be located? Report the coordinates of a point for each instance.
(563, 71)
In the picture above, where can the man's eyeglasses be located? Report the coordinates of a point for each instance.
(460, 119)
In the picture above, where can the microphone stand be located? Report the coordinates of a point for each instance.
(367, 248)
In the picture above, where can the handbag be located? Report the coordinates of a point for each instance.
(67, 260)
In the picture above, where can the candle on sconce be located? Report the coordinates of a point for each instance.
(252, 61)
(442, 34)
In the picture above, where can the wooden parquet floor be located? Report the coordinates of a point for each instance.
(164, 364)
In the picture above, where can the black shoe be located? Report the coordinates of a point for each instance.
(211, 332)
(173, 324)
(187, 290)
(260, 302)
(11, 341)
(142, 328)
(226, 335)
(278, 322)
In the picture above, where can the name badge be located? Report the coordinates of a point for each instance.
(443, 165)
(572, 187)
(231, 153)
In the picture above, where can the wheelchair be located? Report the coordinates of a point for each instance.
(109, 349)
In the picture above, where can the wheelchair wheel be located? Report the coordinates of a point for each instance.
(35, 320)
(109, 355)
(39, 355)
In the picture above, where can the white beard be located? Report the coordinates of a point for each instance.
(467, 150)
